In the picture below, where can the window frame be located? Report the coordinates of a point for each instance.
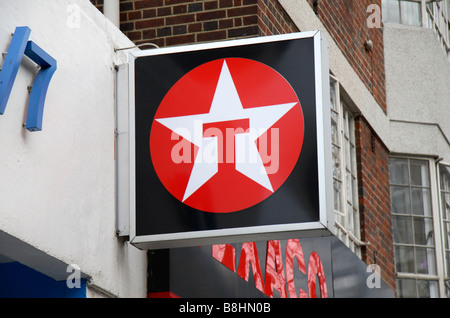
(401, 17)
(346, 143)
(434, 14)
(441, 277)
(444, 228)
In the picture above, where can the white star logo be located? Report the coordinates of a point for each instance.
(227, 107)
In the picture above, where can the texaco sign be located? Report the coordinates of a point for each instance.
(230, 141)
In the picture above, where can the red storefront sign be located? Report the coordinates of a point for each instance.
(275, 276)
(230, 141)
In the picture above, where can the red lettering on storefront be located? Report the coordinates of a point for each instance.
(225, 254)
(294, 249)
(274, 272)
(315, 268)
(249, 255)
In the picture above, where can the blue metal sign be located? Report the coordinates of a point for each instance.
(19, 47)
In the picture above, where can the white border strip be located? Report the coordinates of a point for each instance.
(184, 239)
(224, 44)
(323, 120)
(132, 146)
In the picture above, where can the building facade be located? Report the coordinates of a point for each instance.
(381, 115)
(389, 105)
(58, 184)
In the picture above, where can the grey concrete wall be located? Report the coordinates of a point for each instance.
(418, 91)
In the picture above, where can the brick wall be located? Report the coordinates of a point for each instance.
(272, 19)
(176, 22)
(346, 20)
(374, 200)
(98, 4)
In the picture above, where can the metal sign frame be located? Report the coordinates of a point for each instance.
(126, 169)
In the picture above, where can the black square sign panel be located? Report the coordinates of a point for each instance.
(228, 140)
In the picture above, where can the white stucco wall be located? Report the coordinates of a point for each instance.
(57, 186)
(417, 86)
(417, 91)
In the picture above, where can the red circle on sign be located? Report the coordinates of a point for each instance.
(227, 135)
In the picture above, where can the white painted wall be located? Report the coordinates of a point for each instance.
(418, 91)
(57, 186)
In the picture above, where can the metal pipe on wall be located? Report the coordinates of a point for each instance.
(111, 10)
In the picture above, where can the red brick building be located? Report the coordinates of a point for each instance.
(360, 104)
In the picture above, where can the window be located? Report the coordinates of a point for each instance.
(432, 14)
(444, 178)
(402, 11)
(438, 19)
(412, 218)
(420, 250)
(345, 181)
